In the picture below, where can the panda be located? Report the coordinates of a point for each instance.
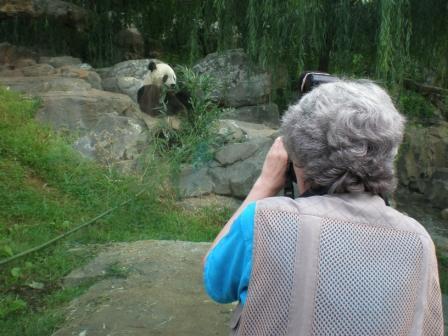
(160, 75)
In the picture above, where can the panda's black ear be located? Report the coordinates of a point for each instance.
(152, 66)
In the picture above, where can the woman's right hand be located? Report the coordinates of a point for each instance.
(273, 174)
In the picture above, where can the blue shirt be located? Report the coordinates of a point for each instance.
(229, 264)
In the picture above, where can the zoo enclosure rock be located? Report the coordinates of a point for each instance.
(145, 288)
(40, 84)
(241, 83)
(114, 139)
(111, 125)
(10, 54)
(59, 61)
(267, 114)
(423, 165)
(63, 11)
(125, 77)
(235, 170)
(81, 110)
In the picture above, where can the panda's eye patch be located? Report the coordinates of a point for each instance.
(165, 78)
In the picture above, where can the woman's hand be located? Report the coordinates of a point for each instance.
(268, 184)
(273, 175)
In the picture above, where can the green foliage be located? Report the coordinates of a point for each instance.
(10, 304)
(394, 40)
(301, 34)
(415, 106)
(196, 137)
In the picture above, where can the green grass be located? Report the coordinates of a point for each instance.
(46, 188)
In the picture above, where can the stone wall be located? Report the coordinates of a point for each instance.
(423, 162)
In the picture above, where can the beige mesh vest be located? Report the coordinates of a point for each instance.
(339, 265)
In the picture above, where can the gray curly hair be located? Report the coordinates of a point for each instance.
(345, 135)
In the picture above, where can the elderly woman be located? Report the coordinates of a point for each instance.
(337, 260)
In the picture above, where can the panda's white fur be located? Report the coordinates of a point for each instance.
(159, 74)
(148, 96)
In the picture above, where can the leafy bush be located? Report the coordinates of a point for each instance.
(415, 106)
(195, 139)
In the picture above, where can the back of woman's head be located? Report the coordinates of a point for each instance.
(345, 135)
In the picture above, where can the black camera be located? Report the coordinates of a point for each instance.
(308, 80)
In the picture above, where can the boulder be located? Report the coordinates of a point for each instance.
(7, 71)
(11, 54)
(255, 131)
(38, 70)
(130, 44)
(264, 114)
(144, 288)
(65, 12)
(422, 165)
(43, 84)
(221, 180)
(240, 131)
(125, 85)
(195, 181)
(25, 62)
(113, 139)
(444, 214)
(81, 110)
(217, 202)
(240, 83)
(235, 152)
(237, 178)
(125, 77)
(242, 177)
(76, 71)
(134, 68)
(230, 131)
(60, 61)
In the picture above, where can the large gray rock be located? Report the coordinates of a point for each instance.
(125, 77)
(38, 70)
(145, 288)
(34, 72)
(81, 110)
(195, 181)
(230, 130)
(125, 85)
(59, 61)
(42, 84)
(239, 177)
(133, 68)
(242, 176)
(240, 83)
(236, 165)
(240, 131)
(11, 54)
(63, 11)
(81, 71)
(235, 152)
(114, 138)
(265, 114)
(221, 180)
(422, 165)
